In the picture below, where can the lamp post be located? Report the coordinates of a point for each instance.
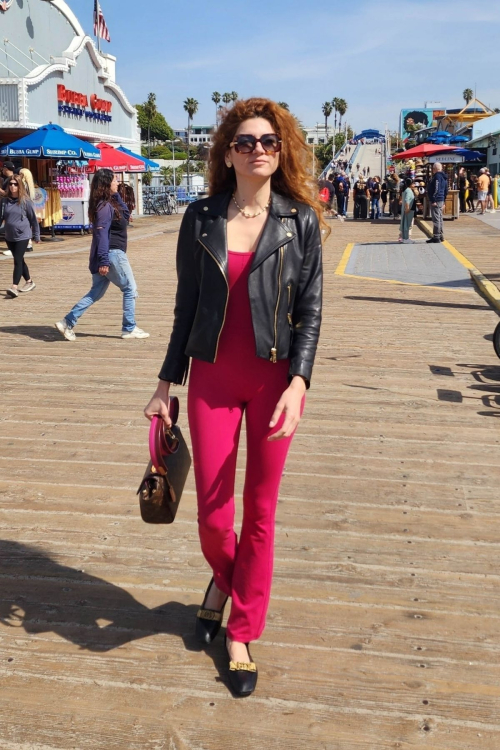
(175, 140)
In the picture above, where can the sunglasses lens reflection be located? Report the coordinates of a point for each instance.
(270, 143)
(245, 144)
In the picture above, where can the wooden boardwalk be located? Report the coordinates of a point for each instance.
(384, 625)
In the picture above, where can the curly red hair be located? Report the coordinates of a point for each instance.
(292, 179)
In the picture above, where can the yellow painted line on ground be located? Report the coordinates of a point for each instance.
(345, 259)
(423, 226)
(461, 258)
(486, 287)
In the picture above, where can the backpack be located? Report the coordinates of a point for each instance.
(324, 195)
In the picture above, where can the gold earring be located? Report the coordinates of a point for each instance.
(229, 164)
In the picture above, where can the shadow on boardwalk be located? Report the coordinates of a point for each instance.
(41, 595)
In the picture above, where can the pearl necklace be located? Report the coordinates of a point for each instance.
(251, 216)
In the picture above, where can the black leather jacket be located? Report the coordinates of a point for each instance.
(285, 286)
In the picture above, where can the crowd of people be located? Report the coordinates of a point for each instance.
(374, 198)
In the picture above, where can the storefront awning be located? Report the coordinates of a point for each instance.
(151, 166)
(424, 149)
(50, 142)
(116, 160)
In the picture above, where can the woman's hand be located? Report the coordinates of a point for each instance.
(103, 270)
(290, 404)
(159, 404)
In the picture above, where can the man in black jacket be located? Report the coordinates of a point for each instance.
(437, 192)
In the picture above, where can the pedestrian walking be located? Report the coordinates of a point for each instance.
(21, 225)
(490, 203)
(470, 193)
(341, 185)
(463, 184)
(360, 199)
(8, 170)
(108, 261)
(482, 190)
(383, 196)
(128, 197)
(248, 313)
(375, 192)
(437, 191)
(408, 206)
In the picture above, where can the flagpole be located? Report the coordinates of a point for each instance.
(98, 26)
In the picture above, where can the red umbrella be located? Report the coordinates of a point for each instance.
(117, 161)
(425, 149)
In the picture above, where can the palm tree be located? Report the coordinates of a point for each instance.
(191, 107)
(335, 102)
(342, 109)
(150, 110)
(284, 105)
(468, 94)
(216, 100)
(226, 98)
(234, 96)
(327, 110)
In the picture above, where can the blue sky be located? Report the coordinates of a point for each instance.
(381, 56)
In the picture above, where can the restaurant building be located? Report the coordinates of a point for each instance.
(51, 71)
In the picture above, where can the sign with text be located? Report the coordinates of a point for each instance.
(76, 104)
(446, 159)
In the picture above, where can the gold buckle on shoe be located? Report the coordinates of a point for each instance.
(242, 666)
(209, 614)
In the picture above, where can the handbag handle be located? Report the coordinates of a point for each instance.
(162, 441)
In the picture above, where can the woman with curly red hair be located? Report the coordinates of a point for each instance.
(248, 314)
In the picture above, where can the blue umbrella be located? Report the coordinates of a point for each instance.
(470, 155)
(441, 134)
(459, 139)
(152, 166)
(51, 142)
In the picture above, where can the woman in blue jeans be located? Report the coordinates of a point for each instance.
(108, 257)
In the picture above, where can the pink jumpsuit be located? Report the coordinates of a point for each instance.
(219, 393)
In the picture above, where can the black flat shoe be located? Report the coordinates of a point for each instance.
(242, 676)
(208, 621)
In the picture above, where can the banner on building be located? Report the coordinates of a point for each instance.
(414, 117)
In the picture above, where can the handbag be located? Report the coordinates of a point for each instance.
(161, 488)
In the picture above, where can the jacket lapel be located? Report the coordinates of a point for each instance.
(214, 231)
(276, 233)
(213, 234)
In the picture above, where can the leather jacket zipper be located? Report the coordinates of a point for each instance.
(274, 351)
(289, 314)
(227, 296)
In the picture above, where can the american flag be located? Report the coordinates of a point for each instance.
(100, 28)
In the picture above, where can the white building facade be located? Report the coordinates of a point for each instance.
(51, 71)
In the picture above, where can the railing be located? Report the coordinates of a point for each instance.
(352, 160)
(152, 193)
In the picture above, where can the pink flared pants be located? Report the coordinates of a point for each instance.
(219, 394)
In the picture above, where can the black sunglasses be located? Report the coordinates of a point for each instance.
(245, 144)
(13, 183)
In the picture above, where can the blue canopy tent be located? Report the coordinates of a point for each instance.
(459, 139)
(50, 142)
(470, 155)
(151, 166)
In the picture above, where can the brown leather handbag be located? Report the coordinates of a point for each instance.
(161, 488)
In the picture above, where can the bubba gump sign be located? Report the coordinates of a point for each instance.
(75, 103)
